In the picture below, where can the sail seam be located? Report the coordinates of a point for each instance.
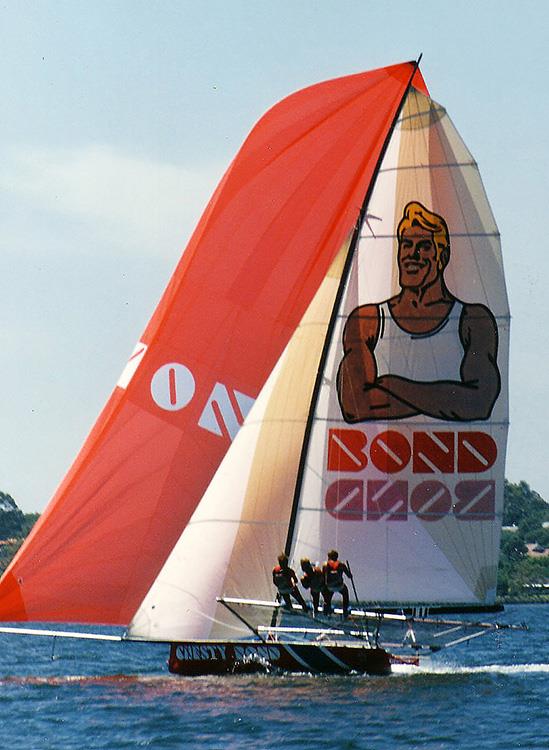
(454, 234)
(418, 167)
(421, 114)
(412, 513)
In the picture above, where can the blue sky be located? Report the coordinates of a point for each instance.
(118, 119)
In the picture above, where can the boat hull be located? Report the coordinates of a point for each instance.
(222, 657)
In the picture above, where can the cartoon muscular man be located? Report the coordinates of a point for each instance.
(422, 351)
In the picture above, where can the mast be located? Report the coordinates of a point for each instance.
(333, 318)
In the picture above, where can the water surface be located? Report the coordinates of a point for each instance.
(491, 693)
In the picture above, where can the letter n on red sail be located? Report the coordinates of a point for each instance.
(345, 500)
(476, 501)
(433, 452)
(346, 450)
(387, 500)
(477, 452)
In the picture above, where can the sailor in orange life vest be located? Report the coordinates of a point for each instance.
(333, 570)
(285, 579)
(313, 579)
(446, 364)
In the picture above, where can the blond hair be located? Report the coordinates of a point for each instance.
(415, 214)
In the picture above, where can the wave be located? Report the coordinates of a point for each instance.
(445, 669)
(112, 679)
(160, 681)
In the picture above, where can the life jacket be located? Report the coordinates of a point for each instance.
(282, 578)
(334, 575)
(313, 580)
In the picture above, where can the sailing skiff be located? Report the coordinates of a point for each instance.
(327, 367)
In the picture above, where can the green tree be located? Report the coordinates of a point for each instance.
(518, 572)
(543, 538)
(512, 548)
(529, 573)
(523, 507)
(11, 518)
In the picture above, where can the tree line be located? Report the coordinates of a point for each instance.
(521, 576)
(14, 527)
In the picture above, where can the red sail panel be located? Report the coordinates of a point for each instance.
(252, 266)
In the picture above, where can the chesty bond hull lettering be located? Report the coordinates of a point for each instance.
(226, 658)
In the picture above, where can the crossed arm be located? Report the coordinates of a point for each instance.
(364, 396)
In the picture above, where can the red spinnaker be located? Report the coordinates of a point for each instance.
(256, 259)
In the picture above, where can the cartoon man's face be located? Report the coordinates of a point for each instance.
(417, 258)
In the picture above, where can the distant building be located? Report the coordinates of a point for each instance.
(537, 550)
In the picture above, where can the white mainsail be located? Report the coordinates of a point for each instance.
(414, 503)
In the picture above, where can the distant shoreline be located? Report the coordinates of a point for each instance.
(525, 601)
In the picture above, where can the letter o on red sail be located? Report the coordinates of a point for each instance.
(390, 452)
(172, 386)
(431, 501)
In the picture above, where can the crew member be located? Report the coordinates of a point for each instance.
(285, 580)
(313, 579)
(333, 571)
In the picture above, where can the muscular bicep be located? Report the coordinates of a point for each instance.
(359, 397)
(358, 367)
(362, 329)
(479, 368)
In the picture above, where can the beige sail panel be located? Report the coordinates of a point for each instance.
(262, 532)
(243, 518)
(414, 176)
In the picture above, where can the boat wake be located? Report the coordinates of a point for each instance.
(158, 681)
(445, 669)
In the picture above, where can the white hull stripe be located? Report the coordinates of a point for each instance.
(298, 659)
(334, 658)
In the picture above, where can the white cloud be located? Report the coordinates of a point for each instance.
(133, 201)
(125, 221)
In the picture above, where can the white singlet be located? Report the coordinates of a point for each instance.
(420, 356)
